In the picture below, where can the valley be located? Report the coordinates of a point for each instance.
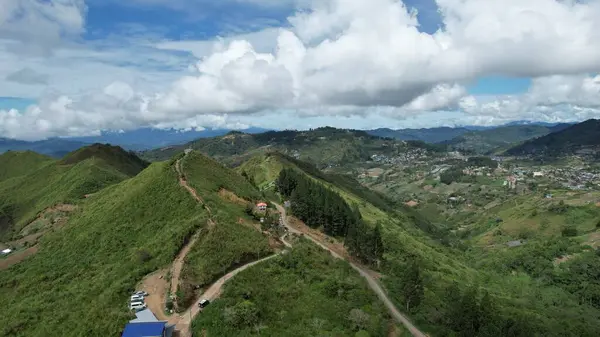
(286, 236)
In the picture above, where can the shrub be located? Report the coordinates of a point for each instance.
(569, 231)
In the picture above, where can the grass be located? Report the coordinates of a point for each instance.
(15, 164)
(303, 293)
(83, 273)
(230, 243)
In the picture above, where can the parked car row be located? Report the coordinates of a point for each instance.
(137, 301)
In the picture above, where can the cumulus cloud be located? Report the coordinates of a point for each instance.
(552, 99)
(39, 25)
(352, 57)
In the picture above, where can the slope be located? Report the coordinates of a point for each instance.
(582, 136)
(430, 135)
(87, 268)
(233, 239)
(14, 164)
(49, 183)
(452, 283)
(82, 275)
(486, 141)
(322, 146)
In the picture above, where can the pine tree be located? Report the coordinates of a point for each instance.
(377, 243)
(412, 287)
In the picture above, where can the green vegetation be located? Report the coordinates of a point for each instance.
(125, 162)
(303, 293)
(322, 146)
(561, 143)
(85, 171)
(320, 207)
(486, 141)
(84, 272)
(231, 240)
(14, 164)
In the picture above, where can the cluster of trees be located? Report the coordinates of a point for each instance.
(473, 314)
(482, 161)
(455, 174)
(319, 206)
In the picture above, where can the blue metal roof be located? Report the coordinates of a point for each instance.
(145, 329)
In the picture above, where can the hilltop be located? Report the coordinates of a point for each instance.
(490, 140)
(579, 138)
(322, 146)
(125, 162)
(31, 182)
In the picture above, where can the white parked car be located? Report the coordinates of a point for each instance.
(135, 298)
(141, 293)
(137, 306)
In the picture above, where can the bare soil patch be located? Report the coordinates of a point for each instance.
(17, 257)
(232, 197)
(156, 285)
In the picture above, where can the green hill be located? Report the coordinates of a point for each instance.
(453, 281)
(46, 183)
(84, 272)
(14, 164)
(579, 137)
(125, 162)
(487, 141)
(322, 146)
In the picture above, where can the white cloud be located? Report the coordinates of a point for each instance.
(343, 57)
(551, 99)
(39, 25)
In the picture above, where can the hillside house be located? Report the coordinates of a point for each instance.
(261, 206)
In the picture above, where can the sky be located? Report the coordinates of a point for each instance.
(80, 67)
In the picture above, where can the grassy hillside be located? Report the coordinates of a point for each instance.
(79, 281)
(67, 181)
(308, 294)
(452, 280)
(125, 162)
(323, 146)
(564, 142)
(124, 232)
(234, 239)
(263, 170)
(486, 141)
(14, 164)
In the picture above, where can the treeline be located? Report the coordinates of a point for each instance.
(319, 206)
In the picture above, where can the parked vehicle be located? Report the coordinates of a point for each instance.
(141, 293)
(137, 298)
(137, 306)
(203, 303)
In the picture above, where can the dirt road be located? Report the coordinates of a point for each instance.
(373, 284)
(213, 292)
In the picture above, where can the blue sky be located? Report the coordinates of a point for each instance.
(96, 65)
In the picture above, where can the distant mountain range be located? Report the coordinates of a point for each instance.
(471, 138)
(498, 139)
(321, 146)
(563, 141)
(432, 135)
(134, 140)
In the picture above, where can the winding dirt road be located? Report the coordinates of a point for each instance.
(373, 284)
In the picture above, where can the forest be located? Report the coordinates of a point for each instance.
(319, 206)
